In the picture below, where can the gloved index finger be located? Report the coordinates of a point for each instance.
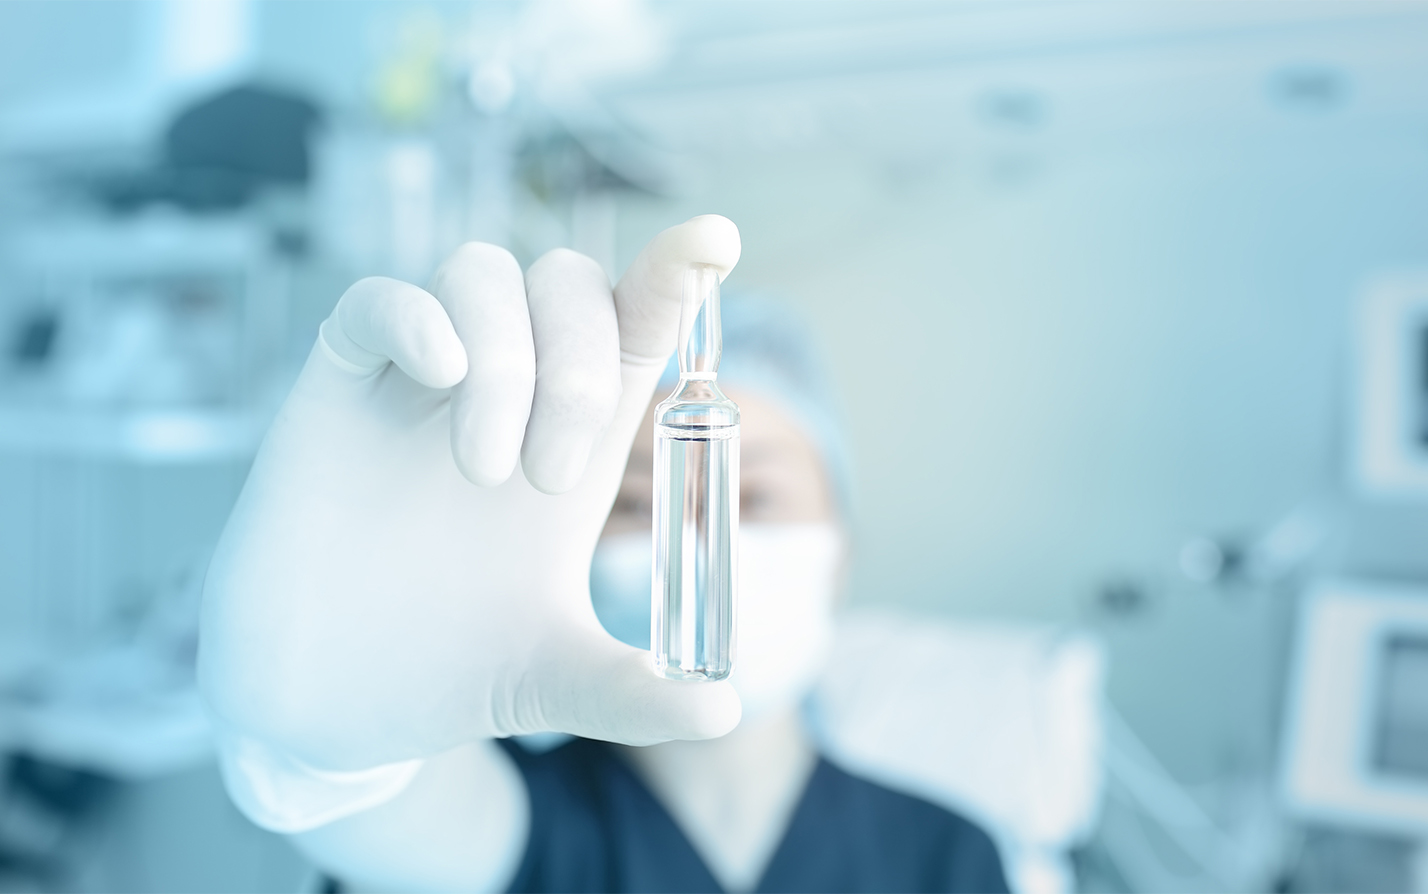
(647, 297)
(379, 320)
(483, 291)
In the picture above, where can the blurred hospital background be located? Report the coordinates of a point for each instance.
(1127, 305)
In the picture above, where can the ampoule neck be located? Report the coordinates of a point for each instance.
(701, 335)
(697, 403)
(698, 389)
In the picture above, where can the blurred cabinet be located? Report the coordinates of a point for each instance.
(146, 358)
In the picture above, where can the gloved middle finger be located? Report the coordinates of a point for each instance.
(577, 343)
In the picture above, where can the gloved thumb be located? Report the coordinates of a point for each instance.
(600, 688)
(647, 297)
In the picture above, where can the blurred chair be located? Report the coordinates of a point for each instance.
(1001, 723)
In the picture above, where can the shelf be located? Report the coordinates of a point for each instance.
(157, 436)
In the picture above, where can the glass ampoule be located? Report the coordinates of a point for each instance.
(696, 502)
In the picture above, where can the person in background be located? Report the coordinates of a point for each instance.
(441, 559)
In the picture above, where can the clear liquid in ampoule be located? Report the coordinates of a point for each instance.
(695, 523)
(696, 505)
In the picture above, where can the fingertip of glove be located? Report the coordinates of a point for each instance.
(444, 369)
(720, 715)
(716, 241)
(552, 485)
(703, 710)
(556, 468)
(479, 473)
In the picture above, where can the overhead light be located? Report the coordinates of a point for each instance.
(1013, 108)
(1310, 88)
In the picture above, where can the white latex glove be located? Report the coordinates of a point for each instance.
(391, 584)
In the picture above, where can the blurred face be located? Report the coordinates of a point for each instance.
(781, 475)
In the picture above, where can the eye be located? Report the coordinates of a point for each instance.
(754, 501)
(633, 504)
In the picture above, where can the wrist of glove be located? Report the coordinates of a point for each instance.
(279, 792)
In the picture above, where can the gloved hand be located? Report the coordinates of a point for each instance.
(391, 584)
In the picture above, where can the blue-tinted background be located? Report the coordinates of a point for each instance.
(1087, 272)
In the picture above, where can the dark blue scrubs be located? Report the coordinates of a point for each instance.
(596, 828)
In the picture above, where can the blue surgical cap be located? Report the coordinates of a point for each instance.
(769, 350)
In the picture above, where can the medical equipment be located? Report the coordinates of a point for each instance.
(1390, 440)
(696, 503)
(1356, 735)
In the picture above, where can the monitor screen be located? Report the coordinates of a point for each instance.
(1419, 390)
(1401, 736)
